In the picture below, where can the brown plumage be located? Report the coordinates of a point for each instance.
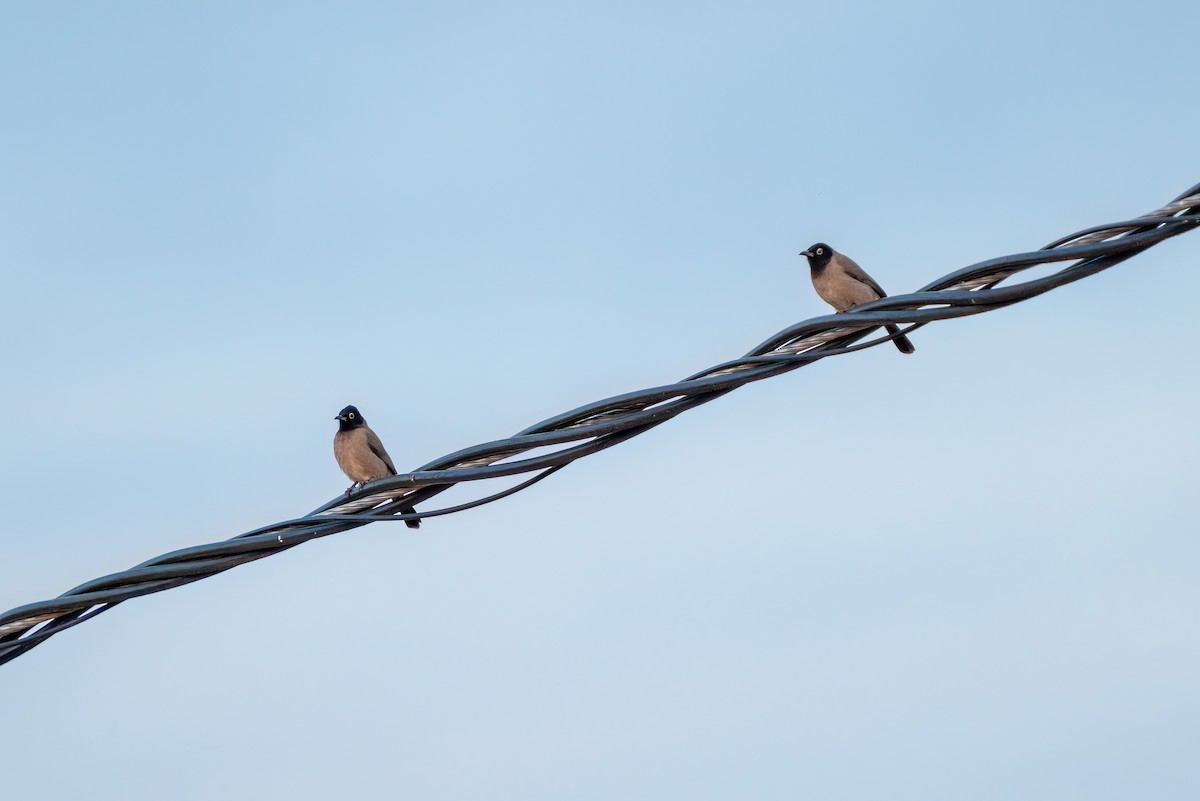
(361, 455)
(843, 285)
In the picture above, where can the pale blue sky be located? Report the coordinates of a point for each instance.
(969, 573)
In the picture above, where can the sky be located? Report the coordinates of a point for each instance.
(967, 573)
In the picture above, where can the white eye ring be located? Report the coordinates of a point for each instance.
(351, 415)
(820, 251)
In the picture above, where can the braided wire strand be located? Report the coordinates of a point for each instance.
(600, 425)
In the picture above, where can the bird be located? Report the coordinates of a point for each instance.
(843, 285)
(361, 455)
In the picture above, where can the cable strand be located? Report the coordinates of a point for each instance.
(600, 425)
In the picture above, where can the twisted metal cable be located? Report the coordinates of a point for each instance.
(600, 425)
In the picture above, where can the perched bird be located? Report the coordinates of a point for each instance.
(843, 285)
(361, 455)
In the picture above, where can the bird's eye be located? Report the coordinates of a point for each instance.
(820, 251)
(351, 415)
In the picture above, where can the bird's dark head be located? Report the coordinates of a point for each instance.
(350, 418)
(818, 256)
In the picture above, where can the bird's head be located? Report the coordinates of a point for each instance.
(818, 256)
(350, 418)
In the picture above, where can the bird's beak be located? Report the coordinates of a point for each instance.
(807, 253)
(337, 417)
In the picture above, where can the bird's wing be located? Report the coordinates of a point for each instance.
(378, 449)
(859, 274)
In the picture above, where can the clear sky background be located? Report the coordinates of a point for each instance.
(969, 573)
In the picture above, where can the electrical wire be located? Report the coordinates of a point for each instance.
(597, 426)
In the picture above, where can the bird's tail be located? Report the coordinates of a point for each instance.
(902, 343)
(408, 510)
